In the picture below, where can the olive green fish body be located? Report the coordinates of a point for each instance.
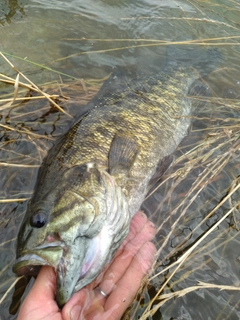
(96, 176)
(129, 134)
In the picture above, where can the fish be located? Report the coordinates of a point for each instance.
(96, 176)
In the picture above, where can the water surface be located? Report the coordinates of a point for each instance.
(89, 40)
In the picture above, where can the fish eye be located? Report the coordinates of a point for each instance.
(38, 219)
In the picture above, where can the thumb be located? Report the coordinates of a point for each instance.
(44, 286)
(41, 297)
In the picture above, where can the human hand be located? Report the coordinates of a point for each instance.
(120, 282)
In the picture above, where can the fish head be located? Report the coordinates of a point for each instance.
(75, 226)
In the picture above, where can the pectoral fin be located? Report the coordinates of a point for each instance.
(122, 154)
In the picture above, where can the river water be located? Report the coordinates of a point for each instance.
(79, 43)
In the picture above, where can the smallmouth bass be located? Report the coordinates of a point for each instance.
(96, 176)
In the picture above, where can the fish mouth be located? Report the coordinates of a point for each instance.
(29, 265)
(30, 262)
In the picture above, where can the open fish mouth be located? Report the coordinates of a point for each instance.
(30, 263)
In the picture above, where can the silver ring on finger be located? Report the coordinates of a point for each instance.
(102, 293)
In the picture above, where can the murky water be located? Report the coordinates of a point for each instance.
(89, 40)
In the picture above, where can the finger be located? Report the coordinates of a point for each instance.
(82, 303)
(138, 222)
(45, 285)
(75, 306)
(118, 267)
(127, 287)
(147, 233)
(40, 299)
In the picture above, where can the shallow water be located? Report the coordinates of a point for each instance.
(70, 38)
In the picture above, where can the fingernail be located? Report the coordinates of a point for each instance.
(75, 312)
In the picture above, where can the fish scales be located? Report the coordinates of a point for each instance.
(143, 116)
(96, 176)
